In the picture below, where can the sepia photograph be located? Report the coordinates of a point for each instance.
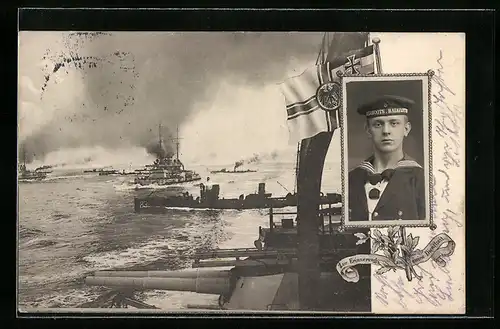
(189, 172)
(386, 150)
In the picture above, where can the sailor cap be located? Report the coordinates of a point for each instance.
(386, 105)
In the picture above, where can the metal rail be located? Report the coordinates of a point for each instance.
(254, 257)
(242, 252)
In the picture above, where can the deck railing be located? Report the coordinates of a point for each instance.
(325, 210)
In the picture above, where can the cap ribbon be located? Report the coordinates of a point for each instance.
(387, 111)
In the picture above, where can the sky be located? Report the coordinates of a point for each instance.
(122, 85)
(84, 97)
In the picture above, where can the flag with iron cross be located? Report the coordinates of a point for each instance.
(352, 64)
(313, 98)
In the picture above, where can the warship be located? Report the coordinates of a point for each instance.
(234, 171)
(292, 264)
(109, 172)
(166, 169)
(26, 175)
(209, 199)
(44, 169)
(90, 171)
(225, 171)
(102, 171)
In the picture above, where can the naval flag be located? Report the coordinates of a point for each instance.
(313, 98)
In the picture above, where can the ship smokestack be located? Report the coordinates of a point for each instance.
(237, 164)
(262, 188)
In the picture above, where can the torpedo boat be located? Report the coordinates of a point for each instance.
(209, 199)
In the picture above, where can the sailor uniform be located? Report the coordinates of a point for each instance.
(399, 194)
(373, 192)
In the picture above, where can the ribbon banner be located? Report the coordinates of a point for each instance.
(434, 250)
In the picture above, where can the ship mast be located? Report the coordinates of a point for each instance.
(296, 168)
(159, 135)
(23, 166)
(177, 142)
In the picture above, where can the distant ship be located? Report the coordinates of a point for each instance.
(109, 172)
(102, 171)
(234, 171)
(25, 175)
(44, 169)
(90, 171)
(166, 170)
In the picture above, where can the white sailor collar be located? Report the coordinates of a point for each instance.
(405, 162)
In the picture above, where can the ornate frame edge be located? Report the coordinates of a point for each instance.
(431, 225)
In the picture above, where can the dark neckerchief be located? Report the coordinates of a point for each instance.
(385, 175)
(375, 178)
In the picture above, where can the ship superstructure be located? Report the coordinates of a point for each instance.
(166, 170)
(26, 175)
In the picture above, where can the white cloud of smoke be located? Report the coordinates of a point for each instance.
(113, 89)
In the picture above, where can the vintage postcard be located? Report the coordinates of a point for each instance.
(384, 117)
(221, 172)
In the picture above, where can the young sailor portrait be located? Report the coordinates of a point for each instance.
(389, 184)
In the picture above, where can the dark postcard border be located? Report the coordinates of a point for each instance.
(478, 26)
(246, 20)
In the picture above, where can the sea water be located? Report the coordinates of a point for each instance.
(71, 225)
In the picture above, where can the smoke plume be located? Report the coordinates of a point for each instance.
(163, 149)
(238, 164)
(112, 89)
(256, 159)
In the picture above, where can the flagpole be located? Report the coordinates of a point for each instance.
(376, 51)
(321, 52)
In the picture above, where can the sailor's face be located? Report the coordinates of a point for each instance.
(388, 132)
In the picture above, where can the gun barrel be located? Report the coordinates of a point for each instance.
(165, 274)
(216, 286)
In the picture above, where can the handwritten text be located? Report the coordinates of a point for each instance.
(447, 123)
